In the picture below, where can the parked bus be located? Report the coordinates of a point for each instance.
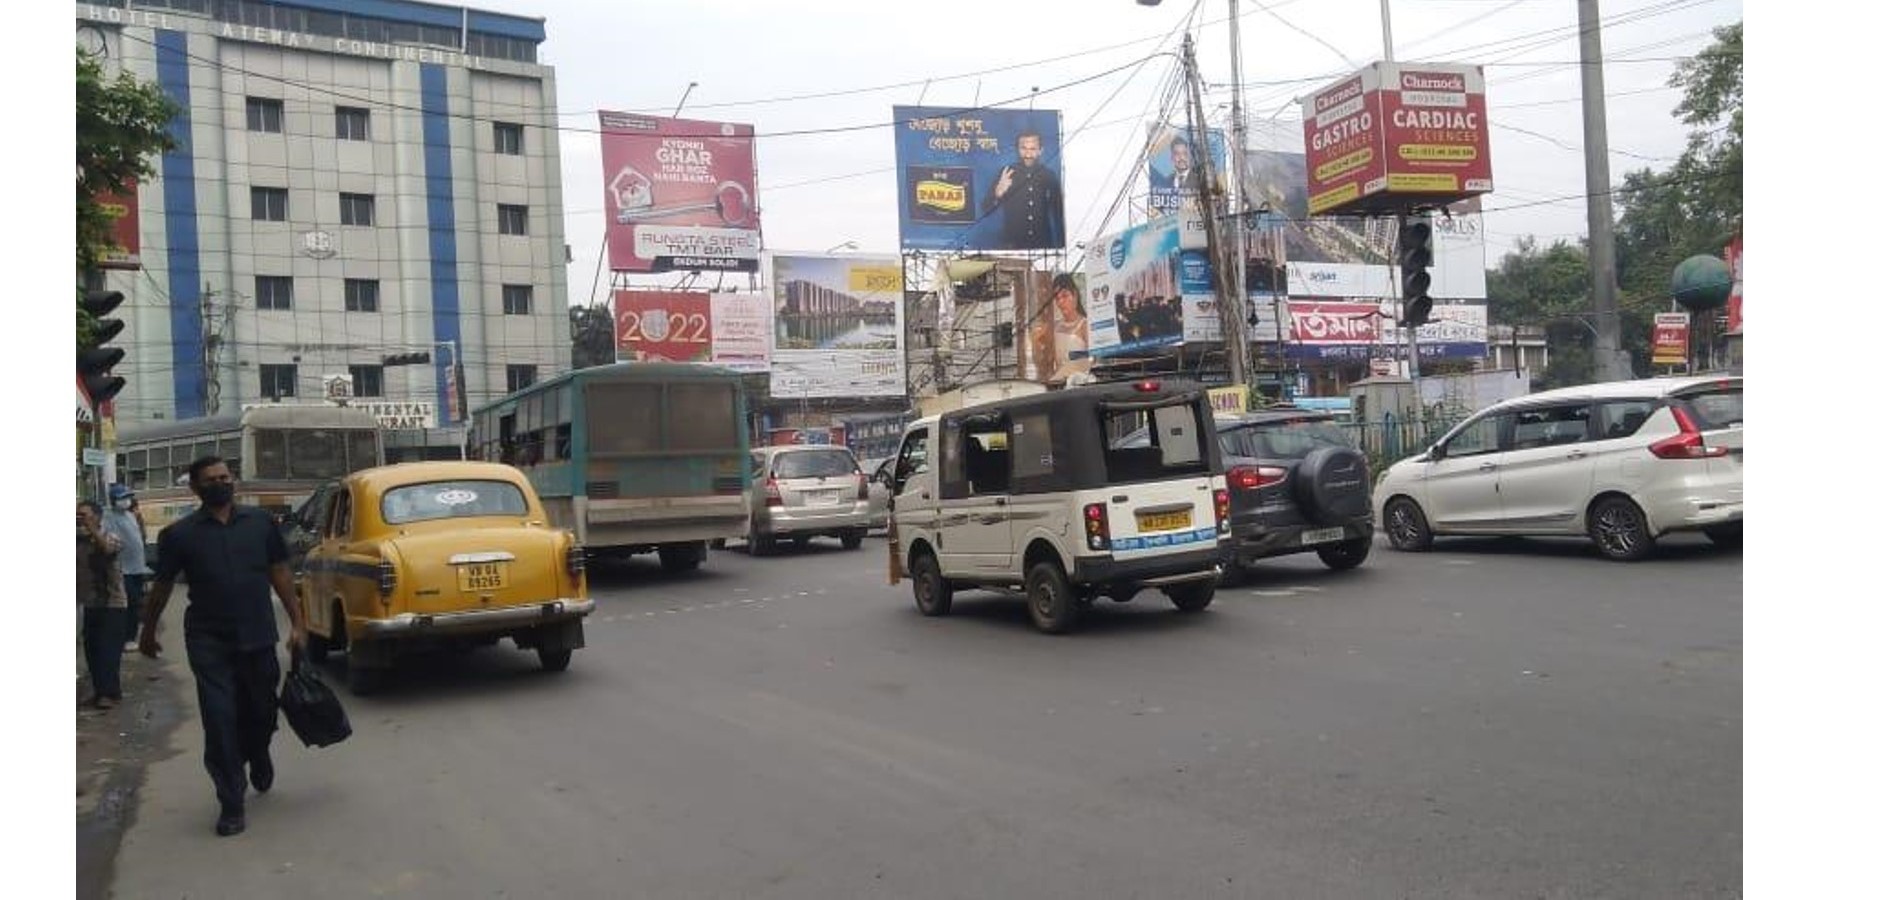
(632, 457)
(279, 455)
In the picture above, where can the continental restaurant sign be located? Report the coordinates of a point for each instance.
(294, 40)
(1395, 135)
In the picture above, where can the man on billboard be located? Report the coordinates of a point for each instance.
(1028, 197)
(1180, 162)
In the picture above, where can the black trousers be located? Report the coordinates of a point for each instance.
(236, 698)
(104, 648)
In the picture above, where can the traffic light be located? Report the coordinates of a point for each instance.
(95, 359)
(420, 358)
(1415, 257)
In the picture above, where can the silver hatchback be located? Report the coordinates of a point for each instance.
(803, 492)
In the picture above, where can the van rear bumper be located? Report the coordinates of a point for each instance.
(1170, 568)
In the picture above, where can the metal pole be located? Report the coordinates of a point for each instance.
(1239, 171)
(1234, 324)
(1386, 27)
(1606, 362)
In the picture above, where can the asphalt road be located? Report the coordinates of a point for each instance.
(1493, 719)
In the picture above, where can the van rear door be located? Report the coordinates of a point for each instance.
(1162, 494)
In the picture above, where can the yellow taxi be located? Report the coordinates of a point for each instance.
(437, 553)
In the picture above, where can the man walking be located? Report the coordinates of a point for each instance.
(232, 556)
(127, 524)
(102, 600)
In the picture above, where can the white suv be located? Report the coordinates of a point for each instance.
(1622, 462)
(1028, 493)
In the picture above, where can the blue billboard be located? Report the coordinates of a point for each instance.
(1173, 157)
(979, 179)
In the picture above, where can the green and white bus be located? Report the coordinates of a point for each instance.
(632, 458)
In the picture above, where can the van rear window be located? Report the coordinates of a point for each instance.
(1173, 446)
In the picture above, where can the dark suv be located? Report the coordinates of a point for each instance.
(1296, 484)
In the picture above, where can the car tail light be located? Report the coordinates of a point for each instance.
(861, 478)
(1148, 386)
(575, 560)
(1250, 478)
(1687, 445)
(1221, 510)
(1096, 527)
(772, 491)
(385, 571)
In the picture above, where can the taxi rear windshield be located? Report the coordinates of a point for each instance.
(1173, 448)
(451, 500)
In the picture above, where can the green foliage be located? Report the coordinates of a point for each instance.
(121, 124)
(1664, 218)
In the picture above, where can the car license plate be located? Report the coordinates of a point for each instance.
(1323, 536)
(1169, 521)
(823, 498)
(483, 576)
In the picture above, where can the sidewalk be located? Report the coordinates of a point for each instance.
(114, 747)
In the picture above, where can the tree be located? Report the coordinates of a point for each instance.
(121, 124)
(593, 338)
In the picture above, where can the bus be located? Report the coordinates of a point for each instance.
(279, 455)
(632, 458)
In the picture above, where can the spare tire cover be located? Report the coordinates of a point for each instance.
(1334, 486)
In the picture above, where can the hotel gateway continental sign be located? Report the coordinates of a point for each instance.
(365, 191)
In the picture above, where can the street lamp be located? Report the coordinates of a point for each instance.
(844, 245)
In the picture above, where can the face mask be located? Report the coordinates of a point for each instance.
(121, 504)
(217, 494)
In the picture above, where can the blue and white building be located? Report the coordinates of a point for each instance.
(353, 180)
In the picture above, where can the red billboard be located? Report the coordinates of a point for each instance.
(663, 326)
(1397, 135)
(1321, 322)
(1670, 344)
(123, 208)
(1734, 297)
(680, 194)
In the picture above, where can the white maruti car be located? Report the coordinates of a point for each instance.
(1621, 462)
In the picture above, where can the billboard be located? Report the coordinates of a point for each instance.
(730, 330)
(679, 194)
(1670, 345)
(1396, 134)
(979, 179)
(122, 207)
(839, 327)
(1366, 328)
(1057, 333)
(1172, 156)
(1141, 288)
(1292, 253)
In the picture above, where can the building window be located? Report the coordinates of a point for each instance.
(361, 295)
(517, 299)
(357, 209)
(509, 139)
(269, 204)
(512, 219)
(518, 378)
(279, 380)
(351, 123)
(263, 114)
(367, 380)
(275, 292)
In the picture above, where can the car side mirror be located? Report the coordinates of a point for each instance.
(1435, 452)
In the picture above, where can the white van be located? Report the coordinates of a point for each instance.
(1622, 462)
(1028, 494)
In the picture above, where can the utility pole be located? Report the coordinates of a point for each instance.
(1606, 359)
(1412, 332)
(1239, 171)
(1229, 304)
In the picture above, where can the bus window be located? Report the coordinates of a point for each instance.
(272, 454)
(624, 418)
(702, 418)
(362, 450)
(202, 449)
(317, 453)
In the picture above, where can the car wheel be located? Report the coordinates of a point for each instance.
(1406, 526)
(760, 543)
(1724, 535)
(931, 593)
(851, 540)
(555, 660)
(675, 559)
(1347, 555)
(1193, 597)
(1048, 593)
(1619, 530)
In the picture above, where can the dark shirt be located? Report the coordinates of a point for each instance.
(227, 568)
(1033, 210)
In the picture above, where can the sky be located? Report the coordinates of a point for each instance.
(748, 58)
